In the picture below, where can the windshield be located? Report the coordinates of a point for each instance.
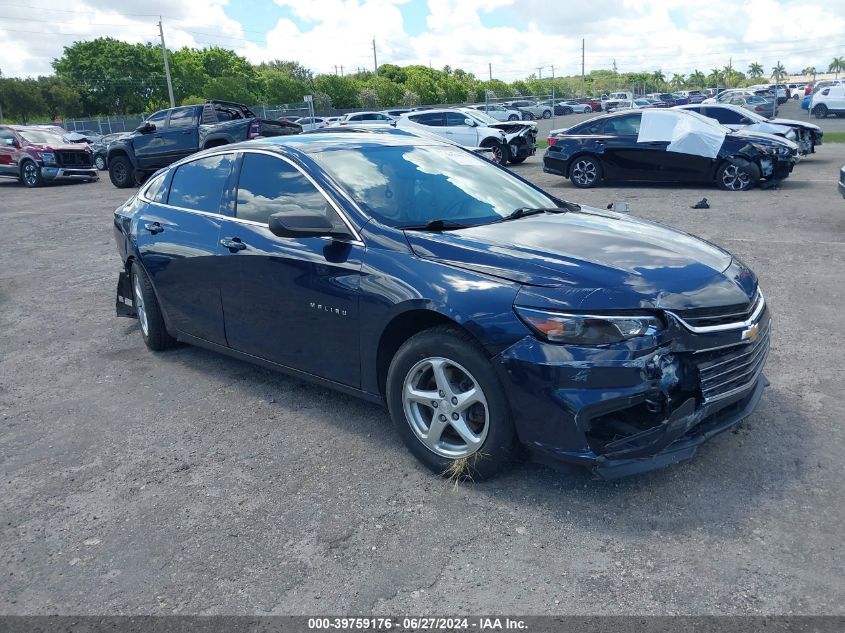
(42, 137)
(479, 117)
(753, 115)
(414, 185)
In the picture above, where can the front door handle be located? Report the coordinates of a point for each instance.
(154, 227)
(234, 244)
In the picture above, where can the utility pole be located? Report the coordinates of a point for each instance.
(553, 96)
(335, 70)
(341, 70)
(375, 59)
(490, 70)
(582, 66)
(540, 73)
(777, 79)
(166, 65)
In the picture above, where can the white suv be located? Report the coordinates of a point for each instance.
(509, 142)
(830, 100)
(365, 118)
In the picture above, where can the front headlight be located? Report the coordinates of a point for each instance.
(587, 329)
(763, 149)
(49, 158)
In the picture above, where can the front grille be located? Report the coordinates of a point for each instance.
(730, 370)
(75, 159)
(706, 317)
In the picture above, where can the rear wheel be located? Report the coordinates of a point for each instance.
(149, 313)
(547, 114)
(732, 177)
(121, 172)
(513, 117)
(448, 405)
(585, 172)
(588, 109)
(567, 110)
(31, 175)
(820, 111)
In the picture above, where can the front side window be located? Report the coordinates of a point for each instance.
(158, 119)
(406, 186)
(270, 185)
(182, 118)
(429, 118)
(199, 185)
(455, 119)
(724, 116)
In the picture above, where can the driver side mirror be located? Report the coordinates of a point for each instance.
(470, 122)
(302, 224)
(146, 127)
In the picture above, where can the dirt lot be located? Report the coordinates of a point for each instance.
(186, 482)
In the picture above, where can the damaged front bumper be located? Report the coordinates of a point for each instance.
(637, 406)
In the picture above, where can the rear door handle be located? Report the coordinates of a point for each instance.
(154, 227)
(234, 244)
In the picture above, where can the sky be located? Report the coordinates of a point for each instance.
(516, 38)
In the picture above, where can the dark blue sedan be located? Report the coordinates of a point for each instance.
(491, 318)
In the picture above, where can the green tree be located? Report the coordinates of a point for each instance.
(59, 98)
(778, 73)
(659, 79)
(368, 98)
(21, 99)
(837, 65)
(410, 99)
(230, 89)
(292, 69)
(697, 79)
(677, 80)
(809, 70)
(755, 70)
(343, 91)
(278, 87)
(715, 77)
(389, 93)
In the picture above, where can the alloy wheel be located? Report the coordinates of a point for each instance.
(735, 178)
(30, 174)
(445, 408)
(140, 309)
(584, 172)
(100, 163)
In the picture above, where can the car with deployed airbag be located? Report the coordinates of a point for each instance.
(657, 145)
(492, 319)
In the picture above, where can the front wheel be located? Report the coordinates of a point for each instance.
(732, 177)
(588, 109)
(567, 110)
(586, 172)
(820, 111)
(547, 114)
(100, 162)
(513, 117)
(448, 405)
(31, 175)
(498, 154)
(121, 172)
(148, 311)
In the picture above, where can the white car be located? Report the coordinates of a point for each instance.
(308, 124)
(536, 110)
(498, 112)
(583, 108)
(829, 100)
(365, 118)
(509, 142)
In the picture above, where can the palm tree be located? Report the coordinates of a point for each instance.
(778, 73)
(658, 78)
(715, 76)
(755, 70)
(809, 70)
(677, 80)
(837, 65)
(697, 79)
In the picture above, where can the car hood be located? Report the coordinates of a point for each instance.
(50, 147)
(766, 127)
(766, 138)
(796, 123)
(613, 259)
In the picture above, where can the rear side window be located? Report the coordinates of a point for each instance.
(199, 185)
(725, 116)
(429, 118)
(270, 185)
(157, 189)
(623, 126)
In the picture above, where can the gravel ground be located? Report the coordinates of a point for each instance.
(187, 482)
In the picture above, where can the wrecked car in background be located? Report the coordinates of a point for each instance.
(806, 135)
(669, 146)
(35, 155)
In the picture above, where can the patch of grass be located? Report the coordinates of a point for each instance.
(543, 143)
(829, 137)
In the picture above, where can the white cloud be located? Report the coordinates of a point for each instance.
(639, 34)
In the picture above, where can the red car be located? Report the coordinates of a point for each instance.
(595, 104)
(36, 154)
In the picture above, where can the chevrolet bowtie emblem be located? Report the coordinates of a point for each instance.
(751, 333)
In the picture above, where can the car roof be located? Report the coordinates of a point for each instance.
(313, 143)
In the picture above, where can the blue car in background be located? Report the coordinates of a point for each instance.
(492, 319)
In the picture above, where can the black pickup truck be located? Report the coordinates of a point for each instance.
(168, 135)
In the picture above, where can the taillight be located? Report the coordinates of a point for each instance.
(551, 140)
(758, 109)
(254, 130)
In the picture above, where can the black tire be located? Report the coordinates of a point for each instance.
(820, 111)
(588, 109)
(518, 160)
(567, 110)
(586, 172)
(499, 152)
(499, 445)
(156, 336)
(31, 174)
(100, 162)
(547, 114)
(513, 117)
(527, 116)
(732, 177)
(121, 172)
